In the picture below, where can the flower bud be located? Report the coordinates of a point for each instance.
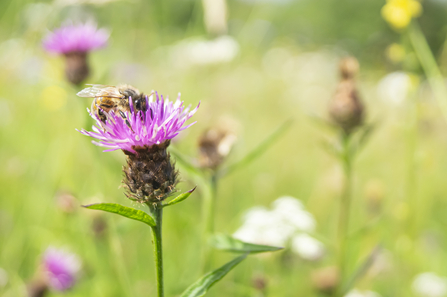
(346, 109)
(149, 176)
(326, 280)
(349, 67)
(37, 288)
(76, 67)
(214, 147)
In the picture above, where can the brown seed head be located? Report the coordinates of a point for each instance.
(149, 176)
(37, 288)
(259, 282)
(99, 226)
(349, 67)
(326, 279)
(76, 67)
(346, 108)
(214, 147)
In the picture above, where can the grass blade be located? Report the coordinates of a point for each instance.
(258, 151)
(200, 287)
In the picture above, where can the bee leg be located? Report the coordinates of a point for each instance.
(125, 118)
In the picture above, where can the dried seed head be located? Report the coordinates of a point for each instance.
(214, 146)
(76, 67)
(259, 282)
(99, 226)
(349, 67)
(66, 202)
(346, 109)
(149, 176)
(37, 288)
(326, 280)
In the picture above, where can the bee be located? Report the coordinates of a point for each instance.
(116, 99)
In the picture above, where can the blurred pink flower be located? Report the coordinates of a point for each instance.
(61, 268)
(76, 38)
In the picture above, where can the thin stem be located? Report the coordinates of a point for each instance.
(411, 187)
(345, 205)
(157, 213)
(430, 66)
(209, 206)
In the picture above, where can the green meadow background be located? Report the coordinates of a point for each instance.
(286, 68)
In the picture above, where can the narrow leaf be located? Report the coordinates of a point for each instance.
(258, 151)
(179, 198)
(228, 243)
(128, 212)
(362, 269)
(200, 287)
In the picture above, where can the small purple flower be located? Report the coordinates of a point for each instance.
(61, 268)
(162, 120)
(76, 38)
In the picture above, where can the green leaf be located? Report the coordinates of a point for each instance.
(179, 198)
(258, 151)
(200, 287)
(228, 243)
(128, 212)
(362, 269)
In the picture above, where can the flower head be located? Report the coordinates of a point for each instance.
(398, 13)
(161, 121)
(144, 136)
(61, 268)
(76, 38)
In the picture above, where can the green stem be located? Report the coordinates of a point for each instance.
(208, 217)
(157, 213)
(345, 205)
(430, 66)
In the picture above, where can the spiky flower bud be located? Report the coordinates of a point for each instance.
(346, 108)
(144, 136)
(214, 147)
(150, 176)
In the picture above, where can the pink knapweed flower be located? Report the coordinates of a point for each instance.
(61, 268)
(76, 38)
(161, 121)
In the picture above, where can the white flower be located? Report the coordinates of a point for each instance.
(291, 210)
(307, 247)
(429, 284)
(357, 293)
(263, 226)
(276, 227)
(394, 87)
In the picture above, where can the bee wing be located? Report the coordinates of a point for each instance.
(95, 90)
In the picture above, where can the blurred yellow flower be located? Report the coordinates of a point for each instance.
(400, 12)
(395, 53)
